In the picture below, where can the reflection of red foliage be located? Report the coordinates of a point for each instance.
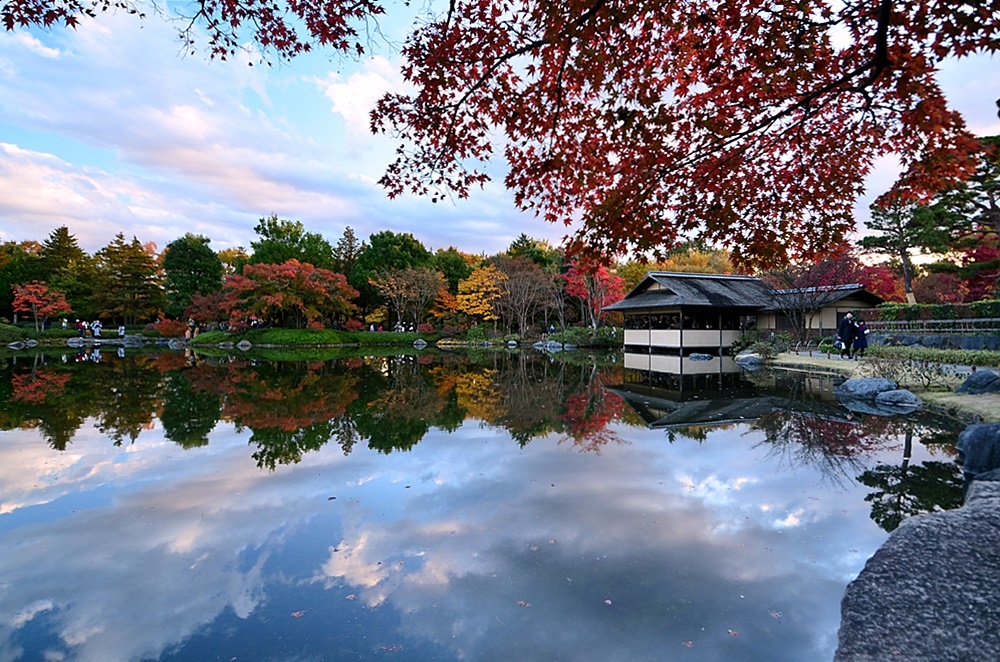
(35, 388)
(167, 361)
(831, 437)
(588, 414)
(255, 401)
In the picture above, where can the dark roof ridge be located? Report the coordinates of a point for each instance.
(693, 274)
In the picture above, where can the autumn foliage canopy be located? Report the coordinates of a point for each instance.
(751, 125)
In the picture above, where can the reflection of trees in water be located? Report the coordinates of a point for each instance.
(590, 411)
(836, 447)
(389, 402)
(290, 408)
(903, 491)
(126, 396)
(190, 411)
(57, 396)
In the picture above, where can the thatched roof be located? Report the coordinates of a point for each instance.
(660, 289)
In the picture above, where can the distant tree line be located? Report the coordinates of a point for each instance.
(294, 278)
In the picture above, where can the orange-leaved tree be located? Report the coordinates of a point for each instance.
(42, 302)
(289, 294)
(748, 124)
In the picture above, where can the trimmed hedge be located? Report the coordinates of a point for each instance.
(902, 312)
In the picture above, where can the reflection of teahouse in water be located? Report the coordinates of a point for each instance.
(674, 399)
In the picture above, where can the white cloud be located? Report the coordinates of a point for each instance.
(354, 98)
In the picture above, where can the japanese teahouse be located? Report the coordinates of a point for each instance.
(679, 313)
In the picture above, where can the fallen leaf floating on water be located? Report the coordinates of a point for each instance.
(298, 614)
(734, 633)
(352, 597)
(689, 644)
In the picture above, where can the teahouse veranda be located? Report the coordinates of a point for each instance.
(686, 312)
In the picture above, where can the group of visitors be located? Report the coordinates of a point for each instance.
(852, 337)
(85, 328)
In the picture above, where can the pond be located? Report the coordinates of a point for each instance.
(435, 506)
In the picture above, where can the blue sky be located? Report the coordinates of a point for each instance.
(111, 128)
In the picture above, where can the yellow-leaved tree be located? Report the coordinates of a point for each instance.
(478, 294)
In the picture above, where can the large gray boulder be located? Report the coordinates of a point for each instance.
(865, 388)
(899, 400)
(979, 382)
(749, 360)
(930, 592)
(979, 448)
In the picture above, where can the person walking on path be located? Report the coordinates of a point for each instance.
(860, 339)
(845, 334)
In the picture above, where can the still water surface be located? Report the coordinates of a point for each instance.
(438, 507)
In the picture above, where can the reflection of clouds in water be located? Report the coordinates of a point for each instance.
(31, 473)
(181, 537)
(460, 537)
(501, 577)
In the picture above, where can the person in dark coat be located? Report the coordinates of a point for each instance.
(860, 339)
(845, 334)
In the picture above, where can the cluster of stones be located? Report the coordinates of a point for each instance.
(931, 591)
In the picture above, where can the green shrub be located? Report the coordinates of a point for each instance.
(989, 308)
(10, 333)
(765, 350)
(750, 337)
(980, 358)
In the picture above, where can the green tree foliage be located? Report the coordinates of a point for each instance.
(385, 250)
(69, 268)
(130, 282)
(19, 263)
(281, 240)
(904, 228)
(190, 267)
(455, 265)
(904, 491)
(346, 251)
(537, 251)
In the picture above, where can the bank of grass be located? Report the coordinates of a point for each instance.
(312, 338)
(919, 369)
